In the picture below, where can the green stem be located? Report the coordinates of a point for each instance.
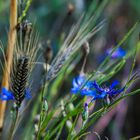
(24, 12)
(13, 125)
(42, 111)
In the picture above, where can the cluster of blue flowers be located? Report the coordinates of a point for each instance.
(7, 95)
(92, 89)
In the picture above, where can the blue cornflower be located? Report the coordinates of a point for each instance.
(7, 95)
(118, 53)
(105, 91)
(80, 85)
(92, 89)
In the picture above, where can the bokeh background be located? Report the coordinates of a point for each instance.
(54, 18)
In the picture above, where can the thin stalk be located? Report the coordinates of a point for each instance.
(13, 125)
(24, 12)
(42, 111)
(9, 55)
(42, 104)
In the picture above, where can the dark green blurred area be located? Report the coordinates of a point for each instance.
(53, 20)
(51, 16)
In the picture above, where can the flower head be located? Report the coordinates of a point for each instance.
(80, 85)
(104, 91)
(7, 95)
(92, 89)
(118, 53)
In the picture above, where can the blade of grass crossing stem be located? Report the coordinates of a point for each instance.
(72, 129)
(112, 72)
(82, 135)
(54, 131)
(47, 135)
(89, 123)
(124, 96)
(60, 130)
(105, 77)
(133, 63)
(92, 8)
(46, 121)
(114, 65)
(108, 57)
(97, 14)
(119, 44)
(102, 110)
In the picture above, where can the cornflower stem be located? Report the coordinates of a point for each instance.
(41, 112)
(13, 125)
(44, 85)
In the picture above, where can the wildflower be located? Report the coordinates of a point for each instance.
(8, 95)
(81, 86)
(118, 53)
(105, 91)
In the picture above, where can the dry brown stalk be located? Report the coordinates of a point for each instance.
(9, 54)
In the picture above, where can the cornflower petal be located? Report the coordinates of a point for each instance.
(80, 80)
(88, 92)
(97, 87)
(116, 91)
(121, 52)
(103, 91)
(114, 83)
(27, 94)
(99, 96)
(81, 86)
(75, 83)
(6, 95)
(118, 53)
(75, 90)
